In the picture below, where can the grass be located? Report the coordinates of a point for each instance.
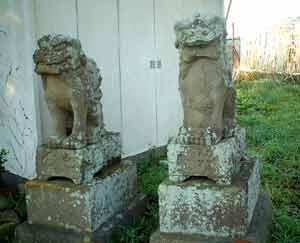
(270, 111)
(150, 175)
(7, 226)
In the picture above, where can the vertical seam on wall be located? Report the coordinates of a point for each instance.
(77, 18)
(156, 72)
(120, 70)
(37, 87)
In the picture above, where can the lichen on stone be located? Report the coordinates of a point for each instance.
(199, 30)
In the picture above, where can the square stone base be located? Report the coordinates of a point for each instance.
(200, 206)
(219, 162)
(82, 208)
(78, 165)
(34, 233)
(258, 232)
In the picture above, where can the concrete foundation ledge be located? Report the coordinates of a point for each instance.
(82, 208)
(37, 233)
(258, 232)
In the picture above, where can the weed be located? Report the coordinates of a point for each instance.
(271, 113)
(150, 175)
(3, 159)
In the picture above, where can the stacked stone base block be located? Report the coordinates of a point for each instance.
(219, 162)
(35, 233)
(258, 232)
(82, 208)
(79, 165)
(200, 206)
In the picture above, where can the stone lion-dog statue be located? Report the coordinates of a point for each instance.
(71, 83)
(205, 81)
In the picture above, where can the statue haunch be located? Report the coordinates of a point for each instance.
(71, 83)
(205, 84)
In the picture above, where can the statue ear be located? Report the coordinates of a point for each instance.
(42, 42)
(83, 59)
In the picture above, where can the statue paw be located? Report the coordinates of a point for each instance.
(74, 142)
(55, 141)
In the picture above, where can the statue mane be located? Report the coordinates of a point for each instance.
(199, 30)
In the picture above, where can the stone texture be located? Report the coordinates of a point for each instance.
(219, 162)
(205, 82)
(259, 230)
(82, 207)
(79, 165)
(213, 186)
(202, 207)
(31, 233)
(71, 83)
(27, 233)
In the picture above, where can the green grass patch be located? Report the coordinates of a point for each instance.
(271, 113)
(150, 175)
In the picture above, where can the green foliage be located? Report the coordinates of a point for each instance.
(7, 227)
(10, 201)
(271, 113)
(3, 159)
(150, 175)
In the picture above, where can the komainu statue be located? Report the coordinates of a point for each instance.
(205, 82)
(71, 83)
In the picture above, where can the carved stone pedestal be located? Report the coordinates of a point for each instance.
(38, 233)
(219, 162)
(258, 231)
(199, 210)
(78, 165)
(82, 207)
(81, 213)
(200, 206)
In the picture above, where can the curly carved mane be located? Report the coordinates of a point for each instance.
(60, 55)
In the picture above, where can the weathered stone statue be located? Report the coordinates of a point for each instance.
(83, 190)
(205, 83)
(209, 143)
(71, 84)
(213, 191)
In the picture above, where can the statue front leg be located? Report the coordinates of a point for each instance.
(94, 125)
(59, 124)
(77, 139)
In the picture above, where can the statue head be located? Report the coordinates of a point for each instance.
(199, 30)
(57, 54)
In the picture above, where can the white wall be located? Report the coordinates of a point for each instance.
(151, 106)
(123, 36)
(18, 126)
(98, 33)
(137, 48)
